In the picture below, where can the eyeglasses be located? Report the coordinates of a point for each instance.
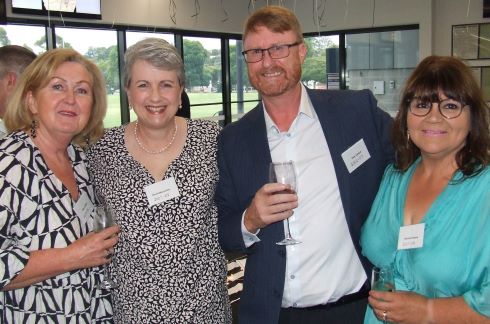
(449, 108)
(275, 52)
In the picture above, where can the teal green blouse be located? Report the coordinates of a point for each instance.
(455, 257)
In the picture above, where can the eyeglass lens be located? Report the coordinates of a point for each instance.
(275, 52)
(448, 108)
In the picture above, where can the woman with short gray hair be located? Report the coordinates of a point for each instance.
(158, 174)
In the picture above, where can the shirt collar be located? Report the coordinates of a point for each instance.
(305, 109)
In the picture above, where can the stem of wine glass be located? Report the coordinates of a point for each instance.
(288, 232)
(106, 272)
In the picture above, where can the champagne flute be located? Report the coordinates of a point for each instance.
(283, 172)
(382, 279)
(103, 219)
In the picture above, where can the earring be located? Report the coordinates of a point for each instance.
(33, 128)
(130, 107)
(180, 106)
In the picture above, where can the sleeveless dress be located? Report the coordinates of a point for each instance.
(168, 263)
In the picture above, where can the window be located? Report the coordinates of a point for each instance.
(243, 96)
(321, 67)
(202, 59)
(381, 61)
(31, 37)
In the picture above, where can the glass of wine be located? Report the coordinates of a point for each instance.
(284, 172)
(382, 279)
(103, 219)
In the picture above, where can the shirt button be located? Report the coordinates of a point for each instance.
(288, 135)
(292, 277)
(295, 304)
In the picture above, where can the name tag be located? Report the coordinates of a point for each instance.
(411, 237)
(355, 155)
(162, 191)
(83, 208)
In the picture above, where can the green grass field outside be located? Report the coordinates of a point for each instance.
(211, 111)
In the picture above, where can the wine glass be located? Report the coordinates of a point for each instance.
(103, 219)
(283, 172)
(382, 279)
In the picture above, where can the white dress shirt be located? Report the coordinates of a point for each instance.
(325, 266)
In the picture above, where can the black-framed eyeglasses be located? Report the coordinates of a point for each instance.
(275, 52)
(449, 108)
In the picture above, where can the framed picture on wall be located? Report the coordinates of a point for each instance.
(85, 9)
(465, 41)
(485, 82)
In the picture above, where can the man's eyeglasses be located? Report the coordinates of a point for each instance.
(449, 108)
(275, 52)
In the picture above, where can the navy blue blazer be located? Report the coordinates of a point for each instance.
(346, 117)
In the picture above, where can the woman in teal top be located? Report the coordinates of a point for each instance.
(439, 187)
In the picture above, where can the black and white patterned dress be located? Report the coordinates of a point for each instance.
(36, 212)
(168, 262)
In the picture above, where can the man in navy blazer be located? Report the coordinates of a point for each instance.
(339, 142)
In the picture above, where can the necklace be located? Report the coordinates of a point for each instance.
(163, 149)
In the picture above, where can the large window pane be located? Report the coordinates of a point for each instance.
(381, 61)
(31, 37)
(133, 37)
(101, 47)
(243, 96)
(202, 60)
(321, 62)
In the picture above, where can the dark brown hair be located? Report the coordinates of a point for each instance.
(449, 75)
(275, 18)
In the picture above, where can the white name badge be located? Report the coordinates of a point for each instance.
(83, 208)
(355, 155)
(161, 191)
(411, 237)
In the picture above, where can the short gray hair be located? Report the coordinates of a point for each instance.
(157, 52)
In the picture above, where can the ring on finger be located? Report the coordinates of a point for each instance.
(385, 315)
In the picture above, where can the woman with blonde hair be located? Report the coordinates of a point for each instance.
(49, 256)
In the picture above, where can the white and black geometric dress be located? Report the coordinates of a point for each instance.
(36, 212)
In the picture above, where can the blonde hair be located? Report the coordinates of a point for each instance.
(38, 74)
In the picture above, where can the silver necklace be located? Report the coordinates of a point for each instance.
(163, 149)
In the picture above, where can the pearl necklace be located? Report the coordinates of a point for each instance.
(163, 149)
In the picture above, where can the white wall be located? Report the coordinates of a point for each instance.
(455, 12)
(358, 14)
(435, 17)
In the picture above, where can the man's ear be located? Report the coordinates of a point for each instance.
(11, 81)
(303, 50)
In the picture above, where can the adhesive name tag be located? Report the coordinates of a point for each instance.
(83, 207)
(161, 191)
(356, 155)
(411, 237)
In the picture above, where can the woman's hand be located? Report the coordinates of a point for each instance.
(400, 307)
(93, 249)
